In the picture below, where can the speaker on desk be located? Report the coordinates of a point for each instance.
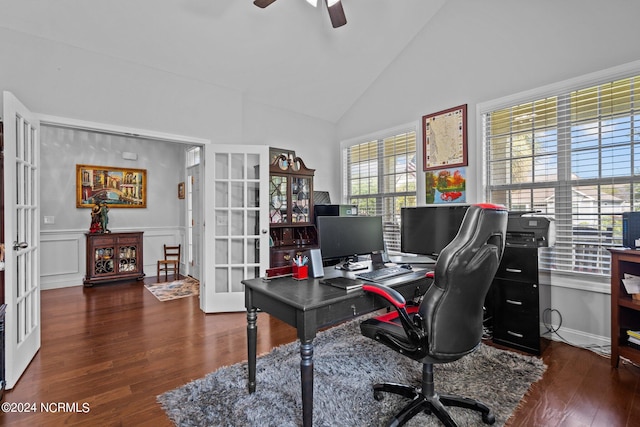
(316, 270)
(379, 258)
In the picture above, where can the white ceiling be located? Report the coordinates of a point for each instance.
(286, 55)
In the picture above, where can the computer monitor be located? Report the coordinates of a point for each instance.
(426, 230)
(345, 237)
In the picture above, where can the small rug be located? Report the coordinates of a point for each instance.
(346, 366)
(173, 290)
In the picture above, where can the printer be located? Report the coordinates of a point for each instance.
(530, 230)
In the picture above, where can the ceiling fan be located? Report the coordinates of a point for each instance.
(336, 12)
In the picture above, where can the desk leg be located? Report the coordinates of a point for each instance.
(306, 376)
(252, 332)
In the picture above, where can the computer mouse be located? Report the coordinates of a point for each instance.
(407, 266)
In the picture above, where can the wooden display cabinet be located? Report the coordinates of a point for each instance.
(292, 230)
(625, 311)
(113, 256)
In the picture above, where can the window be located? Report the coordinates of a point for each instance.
(380, 178)
(193, 156)
(574, 155)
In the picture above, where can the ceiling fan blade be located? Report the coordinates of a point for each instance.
(263, 3)
(336, 13)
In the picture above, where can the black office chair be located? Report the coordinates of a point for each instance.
(447, 324)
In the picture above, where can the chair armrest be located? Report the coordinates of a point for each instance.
(395, 298)
(391, 295)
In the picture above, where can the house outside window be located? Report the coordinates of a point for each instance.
(380, 178)
(573, 155)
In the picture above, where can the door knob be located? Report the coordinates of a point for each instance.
(21, 245)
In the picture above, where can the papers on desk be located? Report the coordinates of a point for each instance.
(342, 283)
(631, 283)
(411, 259)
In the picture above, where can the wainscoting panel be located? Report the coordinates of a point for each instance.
(61, 259)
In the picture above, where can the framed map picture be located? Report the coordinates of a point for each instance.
(444, 138)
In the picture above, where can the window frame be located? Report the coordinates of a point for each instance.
(381, 135)
(592, 282)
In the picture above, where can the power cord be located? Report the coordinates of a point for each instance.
(487, 325)
(487, 334)
(601, 350)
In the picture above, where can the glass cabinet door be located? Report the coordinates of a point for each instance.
(127, 259)
(103, 258)
(300, 199)
(278, 199)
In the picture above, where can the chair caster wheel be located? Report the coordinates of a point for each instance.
(488, 418)
(377, 395)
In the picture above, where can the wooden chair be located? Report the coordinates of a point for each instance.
(171, 261)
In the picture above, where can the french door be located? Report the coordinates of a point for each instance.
(236, 179)
(22, 232)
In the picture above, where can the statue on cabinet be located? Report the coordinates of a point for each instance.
(99, 218)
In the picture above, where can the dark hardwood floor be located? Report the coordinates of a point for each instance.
(115, 348)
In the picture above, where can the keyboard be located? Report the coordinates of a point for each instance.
(383, 273)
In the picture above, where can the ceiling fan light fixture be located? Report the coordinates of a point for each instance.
(336, 13)
(263, 3)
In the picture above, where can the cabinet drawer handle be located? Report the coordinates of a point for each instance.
(513, 270)
(515, 334)
(514, 302)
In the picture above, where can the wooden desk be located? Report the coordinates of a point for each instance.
(625, 311)
(308, 306)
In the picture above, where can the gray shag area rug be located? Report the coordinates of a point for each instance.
(346, 365)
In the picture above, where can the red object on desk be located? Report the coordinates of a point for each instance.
(300, 272)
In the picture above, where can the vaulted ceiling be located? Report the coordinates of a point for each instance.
(287, 55)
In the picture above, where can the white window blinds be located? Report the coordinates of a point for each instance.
(380, 178)
(575, 156)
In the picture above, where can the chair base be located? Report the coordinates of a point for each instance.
(428, 401)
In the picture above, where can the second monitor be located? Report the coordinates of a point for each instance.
(343, 238)
(426, 230)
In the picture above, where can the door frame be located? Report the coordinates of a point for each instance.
(195, 269)
(50, 120)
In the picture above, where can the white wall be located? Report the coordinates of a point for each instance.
(476, 51)
(60, 80)
(313, 141)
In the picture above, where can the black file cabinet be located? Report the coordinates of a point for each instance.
(517, 300)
